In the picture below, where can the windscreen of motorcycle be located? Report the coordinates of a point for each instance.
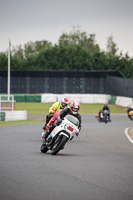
(72, 119)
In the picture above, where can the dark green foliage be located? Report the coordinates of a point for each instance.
(3, 60)
(75, 52)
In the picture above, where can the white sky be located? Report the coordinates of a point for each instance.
(31, 20)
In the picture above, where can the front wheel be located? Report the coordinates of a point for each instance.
(59, 144)
(106, 121)
(43, 148)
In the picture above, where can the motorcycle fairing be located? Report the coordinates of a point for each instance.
(68, 127)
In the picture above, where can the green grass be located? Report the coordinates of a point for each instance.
(94, 108)
(3, 123)
(33, 108)
(42, 108)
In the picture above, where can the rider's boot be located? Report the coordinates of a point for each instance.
(45, 128)
(46, 134)
(49, 131)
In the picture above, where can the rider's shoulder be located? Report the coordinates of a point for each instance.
(67, 109)
(55, 104)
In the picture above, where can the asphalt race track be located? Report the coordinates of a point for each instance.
(98, 165)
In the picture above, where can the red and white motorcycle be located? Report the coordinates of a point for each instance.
(60, 135)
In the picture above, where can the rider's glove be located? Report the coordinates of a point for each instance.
(58, 121)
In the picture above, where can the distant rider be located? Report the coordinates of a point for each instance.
(105, 107)
(73, 110)
(128, 113)
(54, 111)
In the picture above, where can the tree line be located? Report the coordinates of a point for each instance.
(76, 51)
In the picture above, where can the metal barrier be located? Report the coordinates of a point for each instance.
(7, 103)
(37, 82)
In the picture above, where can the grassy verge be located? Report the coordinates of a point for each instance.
(42, 108)
(94, 108)
(3, 123)
(33, 108)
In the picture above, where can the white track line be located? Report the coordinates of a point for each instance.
(126, 133)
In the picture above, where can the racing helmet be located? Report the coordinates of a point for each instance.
(64, 102)
(74, 107)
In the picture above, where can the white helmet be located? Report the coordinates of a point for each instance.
(64, 102)
(74, 107)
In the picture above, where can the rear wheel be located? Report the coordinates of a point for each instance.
(59, 144)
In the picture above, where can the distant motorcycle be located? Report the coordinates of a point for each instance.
(103, 116)
(60, 135)
(131, 114)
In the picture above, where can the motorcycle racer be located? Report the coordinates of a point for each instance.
(73, 110)
(101, 111)
(56, 106)
(54, 111)
(130, 115)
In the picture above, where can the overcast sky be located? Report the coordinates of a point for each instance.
(31, 20)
